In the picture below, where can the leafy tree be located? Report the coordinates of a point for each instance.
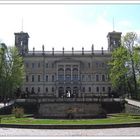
(118, 69)
(125, 65)
(11, 71)
(129, 41)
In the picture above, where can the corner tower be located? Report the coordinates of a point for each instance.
(114, 40)
(21, 42)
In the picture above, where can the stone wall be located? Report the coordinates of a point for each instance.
(70, 110)
(131, 109)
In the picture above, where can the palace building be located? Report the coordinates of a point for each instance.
(56, 73)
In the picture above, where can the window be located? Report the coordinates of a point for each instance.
(83, 77)
(83, 89)
(38, 89)
(47, 65)
(103, 65)
(61, 74)
(38, 78)
(52, 65)
(46, 78)
(89, 89)
(52, 89)
(103, 89)
(46, 89)
(27, 65)
(89, 77)
(33, 78)
(97, 64)
(26, 89)
(52, 78)
(97, 77)
(32, 90)
(97, 89)
(39, 65)
(103, 77)
(27, 79)
(109, 89)
(33, 65)
(88, 65)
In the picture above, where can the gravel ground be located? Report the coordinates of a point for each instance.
(12, 132)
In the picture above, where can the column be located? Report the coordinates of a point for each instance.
(71, 73)
(78, 74)
(64, 73)
(57, 72)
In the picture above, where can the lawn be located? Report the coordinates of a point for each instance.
(113, 119)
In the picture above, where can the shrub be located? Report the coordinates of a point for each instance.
(18, 112)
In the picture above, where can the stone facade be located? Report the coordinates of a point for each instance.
(69, 110)
(55, 73)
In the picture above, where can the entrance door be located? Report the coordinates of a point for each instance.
(68, 91)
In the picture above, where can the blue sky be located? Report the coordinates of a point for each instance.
(73, 25)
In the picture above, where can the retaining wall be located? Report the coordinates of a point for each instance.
(70, 110)
(131, 109)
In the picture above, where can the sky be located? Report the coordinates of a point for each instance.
(67, 25)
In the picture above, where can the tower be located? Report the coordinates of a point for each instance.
(114, 40)
(21, 42)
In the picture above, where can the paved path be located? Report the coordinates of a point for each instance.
(133, 102)
(12, 132)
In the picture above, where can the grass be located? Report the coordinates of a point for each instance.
(113, 119)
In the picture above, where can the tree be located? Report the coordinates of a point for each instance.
(11, 71)
(118, 69)
(129, 41)
(125, 65)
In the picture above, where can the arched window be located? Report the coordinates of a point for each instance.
(61, 74)
(75, 74)
(68, 74)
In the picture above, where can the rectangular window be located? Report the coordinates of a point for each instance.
(33, 65)
(39, 65)
(27, 79)
(103, 77)
(89, 89)
(88, 65)
(46, 78)
(89, 77)
(103, 89)
(38, 78)
(97, 89)
(83, 89)
(26, 89)
(109, 89)
(83, 77)
(52, 78)
(38, 89)
(52, 65)
(46, 89)
(97, 77)
(46, 65)
(52, 89)
(27, 65)
(33, 78)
